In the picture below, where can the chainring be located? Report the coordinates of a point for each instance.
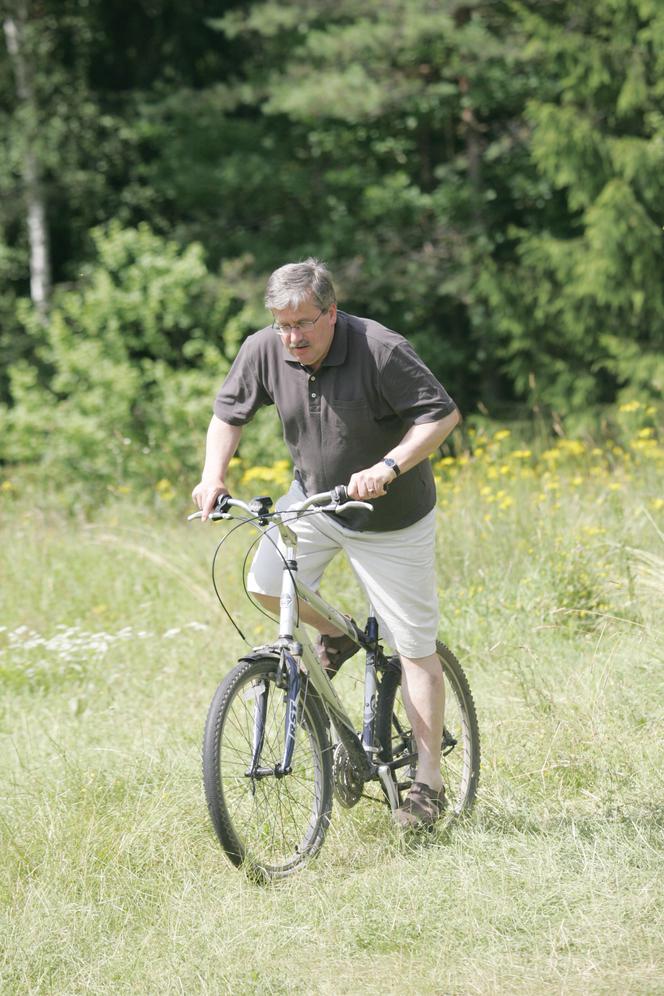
(348, 781)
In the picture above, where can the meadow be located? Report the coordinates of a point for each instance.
(551, 572)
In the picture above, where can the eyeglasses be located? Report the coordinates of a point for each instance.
(301, 326)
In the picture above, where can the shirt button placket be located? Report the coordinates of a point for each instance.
(314, 400)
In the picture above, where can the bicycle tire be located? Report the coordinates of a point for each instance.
(269, 826)
(460, 761)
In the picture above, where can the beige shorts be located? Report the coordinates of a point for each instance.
(395, 569)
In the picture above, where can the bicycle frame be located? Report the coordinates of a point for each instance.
(293, 643)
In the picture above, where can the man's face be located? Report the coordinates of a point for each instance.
(308, 345)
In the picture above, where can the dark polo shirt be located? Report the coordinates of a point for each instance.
(370, 388)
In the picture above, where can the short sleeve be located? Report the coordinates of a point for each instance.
(411, 390)
(242, 392)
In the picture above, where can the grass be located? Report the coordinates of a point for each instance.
(111, 645)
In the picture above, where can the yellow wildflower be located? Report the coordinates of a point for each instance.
(630, 406)
(572, 446)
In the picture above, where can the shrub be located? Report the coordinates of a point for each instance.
(128, 363)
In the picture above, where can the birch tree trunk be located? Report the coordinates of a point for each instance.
(40, 263)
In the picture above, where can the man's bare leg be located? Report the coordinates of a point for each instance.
(423, 692)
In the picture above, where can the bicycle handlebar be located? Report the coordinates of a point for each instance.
(336, 500)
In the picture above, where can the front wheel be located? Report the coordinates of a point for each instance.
(268, 822)
(460, 749)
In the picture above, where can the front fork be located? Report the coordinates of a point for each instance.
(282, 767)
(292, 703)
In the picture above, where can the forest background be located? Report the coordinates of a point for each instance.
(485, 177)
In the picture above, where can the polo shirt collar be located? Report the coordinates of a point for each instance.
(339, 348)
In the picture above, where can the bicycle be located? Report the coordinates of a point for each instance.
(278, 742)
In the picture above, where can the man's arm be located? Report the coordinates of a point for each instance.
(420, 442)
(221, 444)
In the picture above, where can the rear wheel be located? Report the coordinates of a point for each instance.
(460, 756)
(268, 823)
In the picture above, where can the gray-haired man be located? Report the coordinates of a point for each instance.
(357, 405)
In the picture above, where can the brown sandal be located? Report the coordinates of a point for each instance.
(332, 651)
(421, 807)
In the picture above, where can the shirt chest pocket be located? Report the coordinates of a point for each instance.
(347, 415)
(348, 405)
(347, 424)
(360, 411)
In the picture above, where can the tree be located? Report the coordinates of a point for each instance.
(402, 116)
(15, 29)
(580, 302)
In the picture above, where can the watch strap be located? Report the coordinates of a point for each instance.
(392, 464)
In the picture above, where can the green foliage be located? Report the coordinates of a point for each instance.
(131, 358)
(581, 306)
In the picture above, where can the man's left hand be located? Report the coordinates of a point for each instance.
(366, 485)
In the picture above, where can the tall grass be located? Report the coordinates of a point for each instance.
(111, 880)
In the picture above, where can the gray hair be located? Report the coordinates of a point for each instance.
(293, 283)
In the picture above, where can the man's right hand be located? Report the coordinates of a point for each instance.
(205, 495)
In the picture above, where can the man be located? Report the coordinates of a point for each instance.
(358, 407)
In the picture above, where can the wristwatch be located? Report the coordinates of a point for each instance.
(393, 464)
